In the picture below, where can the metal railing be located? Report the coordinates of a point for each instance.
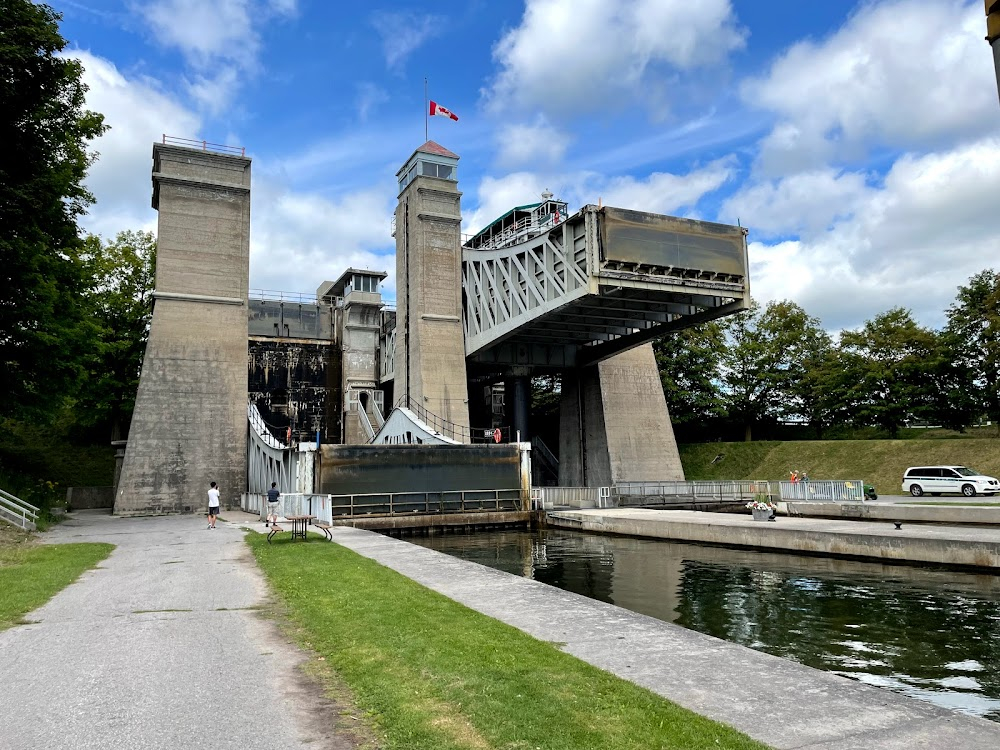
(823, 490)
(301, 298)
(220, 148)
(548, 498)
(17, 511)
(327, 508)
(672, 492)
(520, 230)
(457, 432)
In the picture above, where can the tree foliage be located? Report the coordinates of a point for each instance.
(688, 361)
(765, 360)
(45, 129)
(890, 359)
(120, 304)
(974, 327)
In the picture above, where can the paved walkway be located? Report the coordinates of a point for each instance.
(161, 646)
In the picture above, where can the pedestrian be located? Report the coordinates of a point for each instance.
(213, 504)
(272, 504)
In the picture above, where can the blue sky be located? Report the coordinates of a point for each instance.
(859, 142)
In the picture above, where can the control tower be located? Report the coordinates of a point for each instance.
(430, 338)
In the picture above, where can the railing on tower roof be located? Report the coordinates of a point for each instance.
(219, 148)
(274, 296)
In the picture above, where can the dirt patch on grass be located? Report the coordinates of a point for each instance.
(12, 536)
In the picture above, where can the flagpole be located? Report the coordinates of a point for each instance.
(425, 110)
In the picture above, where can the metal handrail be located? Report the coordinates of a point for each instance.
(19, 511)
(221, 148)
(272, 295)
(366, 423)
(441, 425)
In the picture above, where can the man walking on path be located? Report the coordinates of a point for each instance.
(272, 504)
(213, 505)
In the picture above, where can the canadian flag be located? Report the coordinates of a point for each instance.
(437, 109)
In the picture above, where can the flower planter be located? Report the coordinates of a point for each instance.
(761, 515)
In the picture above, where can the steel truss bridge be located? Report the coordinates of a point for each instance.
(573, 293)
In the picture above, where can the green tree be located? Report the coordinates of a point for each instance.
(120, 303)
(688, 361)
(765, 360)
(974, 324)
(44, 129)
(888, 363)
(817, 385)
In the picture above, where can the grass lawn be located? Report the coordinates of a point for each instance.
(435, 675)
(32, 573)
(879, 462)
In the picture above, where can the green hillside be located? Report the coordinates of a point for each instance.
(879, 462)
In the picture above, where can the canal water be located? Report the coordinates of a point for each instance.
(932, 634)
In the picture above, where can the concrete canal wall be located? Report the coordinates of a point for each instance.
(941, 545)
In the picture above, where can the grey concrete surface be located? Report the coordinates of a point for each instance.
(190, 420)
(877, 540)
(776, 701)
(944, 513)
(161, 646)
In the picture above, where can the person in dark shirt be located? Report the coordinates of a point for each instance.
(273, 497)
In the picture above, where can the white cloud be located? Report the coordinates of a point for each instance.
(299, 240)
(907, 74)
(139, 113)
(580, 55)
(205, 32)
(535, 144)
(220, 40)
(659, 192)
(369, 97)
(924, 231)
(663, 192)
(403, 33)
(806, 203)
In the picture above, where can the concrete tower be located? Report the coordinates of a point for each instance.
(430, 339)
(190, 420)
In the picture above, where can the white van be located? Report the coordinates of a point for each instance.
(937, 480)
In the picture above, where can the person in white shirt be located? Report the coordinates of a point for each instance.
(213, 505)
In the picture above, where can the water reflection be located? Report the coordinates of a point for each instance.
(927, 633)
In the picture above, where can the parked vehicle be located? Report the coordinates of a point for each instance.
(939, 480)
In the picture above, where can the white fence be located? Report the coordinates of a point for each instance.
(628, 493)
(547, 498)
(17, 511)
(826, 490)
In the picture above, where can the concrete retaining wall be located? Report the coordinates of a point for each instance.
(85, 498)
(884, 512)
(938, 545)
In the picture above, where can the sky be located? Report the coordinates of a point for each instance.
(858, 142)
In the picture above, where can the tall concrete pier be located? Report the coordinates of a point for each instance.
(614, 425)
(190, 420)
(430, 339)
